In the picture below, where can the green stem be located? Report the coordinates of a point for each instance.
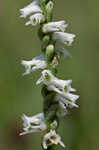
(50, 106)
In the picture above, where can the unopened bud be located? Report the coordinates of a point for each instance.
(46, 39)
(45, 42)
(49, 52)
(49, 6)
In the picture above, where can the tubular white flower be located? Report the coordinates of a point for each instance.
(36, 19)
(66, 102)
(53, 138)
(49, 79)
(35, 64)
(65, 38)
(54, 26)
(31, 8)
(60, 49)
(62, 87)
(33, 124)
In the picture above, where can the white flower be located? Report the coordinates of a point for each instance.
(52, 138)
(33, 124)
(35, 64)
(54, 26)
(31, 8)
(36, 19)
(65, 38)
(54, 83)
(50, 80)
(60, 49)
(65, 102)
(62, 87)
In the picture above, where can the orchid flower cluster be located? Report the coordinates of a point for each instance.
(57, 94)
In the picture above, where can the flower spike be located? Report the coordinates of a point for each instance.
(58, 95)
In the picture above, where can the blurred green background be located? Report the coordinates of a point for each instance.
(18, 94)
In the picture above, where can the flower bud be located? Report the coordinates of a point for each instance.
(49, 8)
(46, 39)
(45, 42)
(49, 52)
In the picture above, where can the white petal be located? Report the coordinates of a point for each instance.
(35, 64)
(53, 138)
(39, 80)
(31, 8)
(72, 97)
(59, 48)
(65, 101)
(54, 26)
(33, 124)
(65, 38)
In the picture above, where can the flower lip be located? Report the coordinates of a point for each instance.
(36, 19)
